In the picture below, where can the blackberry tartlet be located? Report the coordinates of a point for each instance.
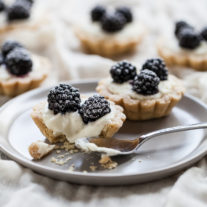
(25, 21)
(110, 32)
(149, 92)
(20, 70)
(186, 47)
(68, 116)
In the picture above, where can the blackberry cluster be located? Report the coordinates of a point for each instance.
(157, 66)
(8, 46)
(126, 12)
(122, 71)
(2, 6)
(97, 13)
(16, 58)
(111, 22)
(64, 98)
(20, 9)
(146, 83)
(188, 38)
(18, 62)
(94, 108)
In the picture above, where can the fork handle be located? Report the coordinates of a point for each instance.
(148, 136)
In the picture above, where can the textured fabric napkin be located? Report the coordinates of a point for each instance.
(22, 187)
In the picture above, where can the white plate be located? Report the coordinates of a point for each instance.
(158, 158)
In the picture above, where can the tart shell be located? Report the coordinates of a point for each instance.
(146, 109)
(18, 85)
(185, 58)
(107, 47)
(108, 131)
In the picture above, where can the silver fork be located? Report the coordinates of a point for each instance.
(126, 147)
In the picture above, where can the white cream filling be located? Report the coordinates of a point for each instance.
(130, 31)
(44, 148)
(91, 147)
(35, 73)
(123, 89)
(171, 42)
(72, 126)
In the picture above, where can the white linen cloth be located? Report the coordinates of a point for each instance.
(22, 187)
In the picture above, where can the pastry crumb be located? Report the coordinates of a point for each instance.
(67, 146)
(107, 163)
(39, 149)
(93, 168)
(71, 168)
(61, 161)
(60, 156)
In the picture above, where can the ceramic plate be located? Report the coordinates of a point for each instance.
(160, 157)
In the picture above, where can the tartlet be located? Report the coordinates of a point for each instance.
(73, 123)
(20, 71)
(110, 34)
(186, 47)
(145, 95)
(24, 20)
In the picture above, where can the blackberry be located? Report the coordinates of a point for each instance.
(122, 71)
(126, 12)
(189, 39)
(18, 62)
(157, 66)
(113, 22)
(146, 83)
(94, 108)
(1, 59)
(2, 6)
(19, 10)
(64, 98)
(181, 25)
(8, 46)
(204, 33)
(97, 13)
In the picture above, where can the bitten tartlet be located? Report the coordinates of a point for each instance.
(20, 71)
(150, 93)
(184, 47)
(67, 116)
(25, 21)
(110, 32)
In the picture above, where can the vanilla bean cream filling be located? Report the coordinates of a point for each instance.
(170, 42)
(71, 124)
(93, 30)
(44, 148)
(125, 89)
(37, 71)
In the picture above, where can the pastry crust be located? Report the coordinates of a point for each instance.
(184, 58)
(108, 131)
(18, 85)
(107, 47)
(146, 109)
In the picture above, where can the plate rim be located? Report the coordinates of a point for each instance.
(187, 161)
